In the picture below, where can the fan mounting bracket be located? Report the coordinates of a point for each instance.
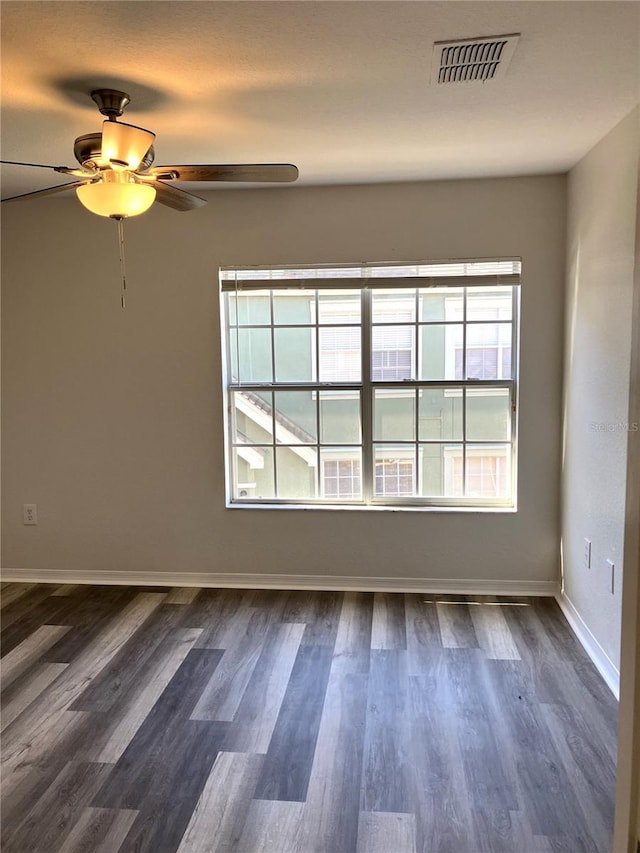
(111, 102)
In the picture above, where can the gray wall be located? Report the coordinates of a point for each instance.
(601, 250)
(113, 420)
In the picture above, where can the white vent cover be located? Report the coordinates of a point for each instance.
(469, 60)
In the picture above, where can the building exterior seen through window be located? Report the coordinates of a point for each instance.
(372, 385)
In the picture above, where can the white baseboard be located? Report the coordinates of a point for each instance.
(314, 582)
(592, 647)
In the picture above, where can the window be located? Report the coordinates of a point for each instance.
(373, 386)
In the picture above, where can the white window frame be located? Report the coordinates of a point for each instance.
(458, 274)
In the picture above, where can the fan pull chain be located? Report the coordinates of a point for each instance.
(123, 269)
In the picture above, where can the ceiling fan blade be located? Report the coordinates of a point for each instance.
(64, 170)
(175, 198)
(37, 166)
(254, 172)
(124, 145)
(47, 191)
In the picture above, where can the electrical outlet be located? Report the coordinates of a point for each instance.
(30, 514)
(612, 576)
(587, 553)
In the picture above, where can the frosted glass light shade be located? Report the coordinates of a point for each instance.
(124, 145)
(116, 199)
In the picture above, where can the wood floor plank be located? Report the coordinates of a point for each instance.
(28, 652)
(571, 844)
(168, 803)
(15, 702)
(501, 831)
(66, 589)
(31, 779)
(549, 798)
(135, 708)
(272, 827)
(221, 697)
(488, 784)
(218, 818)
(382, 832)
(19, 606)
(165, 739)
(439, 786)
(424, 641)
(333, 795)
(388, 630)
(493, 633)
(215, 610)
(89, 612)
(591, 770)
(12, 592)
(99, 831)
(165, 767)
(274, 600)
(298, 606)
(256, 717)
(181, 595)
(353, 637)
(287, 766)
(386, 782)
(130, 665)
(66, 798)
(559, 677)
(456, 626)
(322, 626)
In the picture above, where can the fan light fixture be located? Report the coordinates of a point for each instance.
(124, 145)
(116, 195)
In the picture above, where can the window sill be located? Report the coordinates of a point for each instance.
(511, 510)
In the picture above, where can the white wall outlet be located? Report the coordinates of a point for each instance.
(29, 513)
(611, 571)
(587, 553)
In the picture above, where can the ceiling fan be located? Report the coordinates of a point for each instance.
(116, 177)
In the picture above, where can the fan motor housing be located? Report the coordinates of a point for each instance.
(87, 150)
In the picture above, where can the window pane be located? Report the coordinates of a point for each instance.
(488, 414)
(295, 417)
(253, 467)
(297, 469)
(339, 306)
(250, 309)
(490, 303)
(341, 470)
(340, 354)
(394, 471)
(252, 417)
(488, 473)
(393, 306)
(294, 307)
(441, 303)
(295, 355)
(438, 475)
(440, 414)
(489, 351)
(250, 355)
(392, 353)
(438, 347)
(340, 417)
(394, 414)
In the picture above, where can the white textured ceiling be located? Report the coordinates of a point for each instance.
(341, 89)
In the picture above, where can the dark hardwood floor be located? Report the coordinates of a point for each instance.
(246, 721)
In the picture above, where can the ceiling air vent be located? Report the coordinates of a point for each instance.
(469, 60)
